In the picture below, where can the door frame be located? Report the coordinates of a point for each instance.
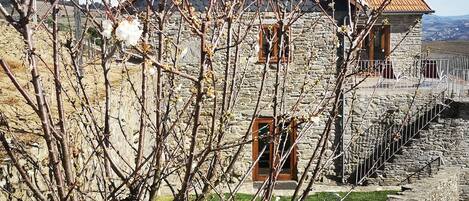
(385, 40)
(255, 150)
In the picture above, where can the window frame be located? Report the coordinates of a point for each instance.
(262, 57)
(291, 175)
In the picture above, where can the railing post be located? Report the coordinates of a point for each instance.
(430, 169)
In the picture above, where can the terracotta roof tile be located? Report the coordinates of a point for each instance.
(403, 6)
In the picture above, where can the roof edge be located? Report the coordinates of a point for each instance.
(409, 12)
(402, 6)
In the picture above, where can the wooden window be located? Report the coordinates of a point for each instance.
(271, 33)
(262, 133)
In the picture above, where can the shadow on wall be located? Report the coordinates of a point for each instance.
(457, 110)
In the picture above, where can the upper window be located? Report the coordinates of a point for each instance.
(269, 43)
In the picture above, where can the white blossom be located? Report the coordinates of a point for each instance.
(129, 31)
(152, 71)
(107, 28)
(256, 48)
(344, 30)
(183, 52)
(178, 88)
(114, 3)
(314, 119)
(193, 165)
(30, 172)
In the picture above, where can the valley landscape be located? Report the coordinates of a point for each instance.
(446, 36)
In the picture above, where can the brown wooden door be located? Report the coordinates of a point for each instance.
(379, 45)
(262, 130)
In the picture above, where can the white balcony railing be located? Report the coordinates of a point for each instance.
(401, 73)
(451, 75)
(393, 69)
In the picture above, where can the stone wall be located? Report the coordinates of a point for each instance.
(378, 107)
(314, 55)
(464, 184)
(308, 79)
(406, 42)
(367, 107)
(376, 97)
(443, 186)
(446, 138)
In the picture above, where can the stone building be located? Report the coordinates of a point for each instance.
(394, 45)
(378, 114)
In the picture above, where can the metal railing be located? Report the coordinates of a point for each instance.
(379, 143)
(426, 170)
(373, 68)
(459, 62)
(446, 74)
(393, 69)
(394, 73)
(458, 83)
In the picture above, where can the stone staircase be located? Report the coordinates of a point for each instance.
(380, 146)
(418, 159)
(442, 186)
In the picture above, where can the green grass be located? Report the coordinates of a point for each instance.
(354, 196)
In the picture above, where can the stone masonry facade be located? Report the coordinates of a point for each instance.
(406, 42)
(383, 107)
(445, 138)
(313, 59)
(314, 54)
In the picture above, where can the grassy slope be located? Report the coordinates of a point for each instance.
(354, 196)
(447, 47)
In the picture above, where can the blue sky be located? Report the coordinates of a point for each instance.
(450, 7)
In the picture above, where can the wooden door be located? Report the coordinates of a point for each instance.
(379, 43)
(264, 127)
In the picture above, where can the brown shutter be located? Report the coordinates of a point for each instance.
(387, 40)
(371, 46)
(261, 56)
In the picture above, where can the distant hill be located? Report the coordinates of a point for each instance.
(446, 49)
(439, 28)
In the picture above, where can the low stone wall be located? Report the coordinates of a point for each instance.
(464, 184)
(443, 186)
